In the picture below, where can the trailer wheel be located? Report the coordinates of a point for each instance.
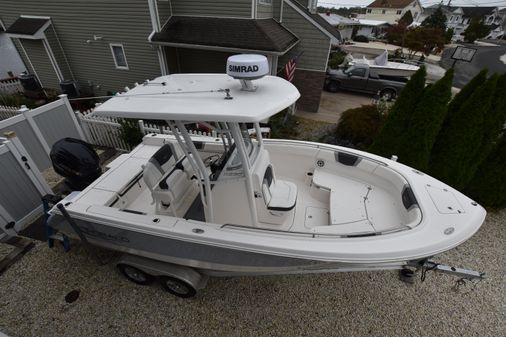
(135, 275)
(177, 287)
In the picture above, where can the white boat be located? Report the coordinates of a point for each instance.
(382, 66)
(235, 205)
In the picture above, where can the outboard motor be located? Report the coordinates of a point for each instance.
(76, 161)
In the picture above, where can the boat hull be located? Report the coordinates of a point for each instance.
(208, 259)
(393, 72)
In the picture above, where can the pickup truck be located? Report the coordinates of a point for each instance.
(360, 78)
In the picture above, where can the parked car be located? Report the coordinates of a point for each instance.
(361, 79)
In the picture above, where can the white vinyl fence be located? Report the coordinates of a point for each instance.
(22, 187)
(8, 112)
(40, 128)
(10, 86)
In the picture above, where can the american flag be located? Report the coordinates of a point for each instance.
(290, 69)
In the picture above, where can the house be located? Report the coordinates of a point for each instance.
(392, 10)
(459, 17)
(107, 45)
(11, 64)
(371, 28)
(344, 25)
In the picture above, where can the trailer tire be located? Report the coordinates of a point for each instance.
(177, 287)
(135, 275)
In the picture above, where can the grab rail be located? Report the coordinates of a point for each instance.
(314, 235)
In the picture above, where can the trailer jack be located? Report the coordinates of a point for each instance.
(407, 275)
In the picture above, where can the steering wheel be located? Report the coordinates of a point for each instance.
(211, 160)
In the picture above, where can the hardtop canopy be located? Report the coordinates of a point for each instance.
(202, 97)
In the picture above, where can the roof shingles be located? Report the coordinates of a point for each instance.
(390, 4)
(26, 26)
(264, 35)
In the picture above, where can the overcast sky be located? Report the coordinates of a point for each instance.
(351, 3)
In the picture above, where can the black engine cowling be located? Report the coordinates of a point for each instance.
(76, 161)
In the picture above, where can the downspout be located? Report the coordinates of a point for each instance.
(281, 11)
(155, 25)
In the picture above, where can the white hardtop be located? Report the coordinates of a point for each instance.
(202, 97)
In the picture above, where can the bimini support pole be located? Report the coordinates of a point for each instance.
(236, 134)
(202, 168)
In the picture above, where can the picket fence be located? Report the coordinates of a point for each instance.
(105, 131)
(8, 112)
(10, 86)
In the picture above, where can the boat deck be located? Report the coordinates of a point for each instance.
(331, 198)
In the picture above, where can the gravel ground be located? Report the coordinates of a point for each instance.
(32, 300)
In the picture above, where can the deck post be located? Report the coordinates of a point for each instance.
(236, 134)
(188, 143)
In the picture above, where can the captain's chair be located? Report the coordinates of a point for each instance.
(171, 179)
(158, 165)
(279, 195)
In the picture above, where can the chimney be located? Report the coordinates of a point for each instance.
(327, 12)
(311, 6)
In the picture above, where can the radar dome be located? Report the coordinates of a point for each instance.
(247, 66)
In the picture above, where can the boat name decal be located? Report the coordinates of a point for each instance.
(102, 235)
(243, 69)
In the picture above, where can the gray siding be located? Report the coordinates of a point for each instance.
(276, 9)
(56, 124)
(313, 42)
(30, 142)
(221, 8)
(116, 21)
(264, 11)
(58, 53)
(40, 60)
(164, 11)
(22, 54)
(19, 196)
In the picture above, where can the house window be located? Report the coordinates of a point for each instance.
(399, 12)
(451, 18)
(118, 54)
(383, 11)
(415, 16)
(369, 10)
(265, 2)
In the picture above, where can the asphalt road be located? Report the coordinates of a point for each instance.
(485, 57)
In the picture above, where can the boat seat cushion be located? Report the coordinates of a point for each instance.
(158, 165)
(283, 195)
(177, 183)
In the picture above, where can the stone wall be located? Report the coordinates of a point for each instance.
(310, 85)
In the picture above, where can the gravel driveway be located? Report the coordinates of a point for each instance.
(32, 300)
